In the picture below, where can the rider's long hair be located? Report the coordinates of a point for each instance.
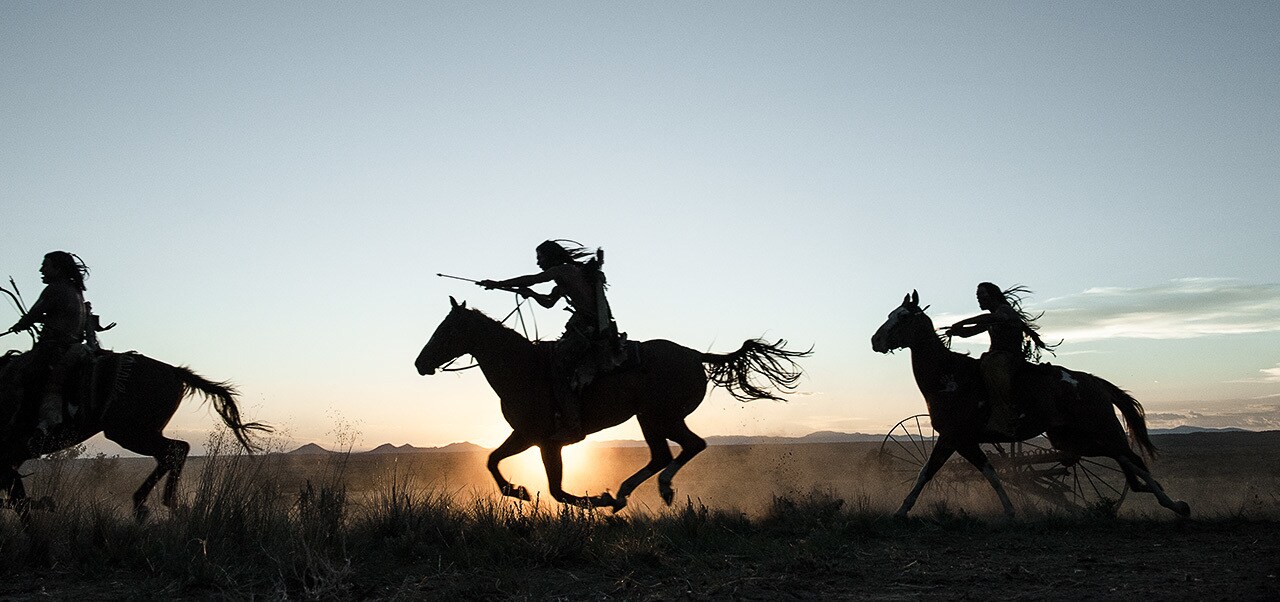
(561, 251)
(70, 265)
(1031, 345)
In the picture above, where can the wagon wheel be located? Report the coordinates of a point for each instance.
(1030, 467)
(1060, 478)
(905, 450)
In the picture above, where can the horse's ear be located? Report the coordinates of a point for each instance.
(455, 303)
(906, 299)
(915, 297)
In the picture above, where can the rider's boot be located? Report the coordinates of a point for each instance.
(50, 415)
(568, 416)
(1003, 420)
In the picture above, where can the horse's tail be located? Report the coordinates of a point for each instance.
(733, 371)
(223, 396)
(1135, 417)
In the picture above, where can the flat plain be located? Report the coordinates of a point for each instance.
(799, 521)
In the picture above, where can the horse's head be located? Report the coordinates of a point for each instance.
(906, 325)
(446, 343)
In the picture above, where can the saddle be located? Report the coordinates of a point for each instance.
(1039, 389)
(93, 382)
(606, 357)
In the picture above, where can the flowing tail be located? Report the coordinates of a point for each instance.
(1134, 416)
(734, 371)
(223, 396)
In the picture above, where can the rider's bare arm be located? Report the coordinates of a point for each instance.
(35, 315)
(521, 284)
(970, 326)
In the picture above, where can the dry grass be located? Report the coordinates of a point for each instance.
(260, 526)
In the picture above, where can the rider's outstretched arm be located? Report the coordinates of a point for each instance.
(971, 326)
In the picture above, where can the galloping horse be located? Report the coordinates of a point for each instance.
(668, 385)
(1075, 409)
(141, 396)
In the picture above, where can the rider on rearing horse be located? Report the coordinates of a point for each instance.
(60, 309)
(590, 332)
(1014, 343)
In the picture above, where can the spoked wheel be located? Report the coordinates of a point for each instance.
(905, 450)
(1060, 478)
(1031, 468)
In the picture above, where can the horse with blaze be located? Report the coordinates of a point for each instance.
(1074, 410)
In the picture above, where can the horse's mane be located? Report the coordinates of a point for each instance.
(498, 327)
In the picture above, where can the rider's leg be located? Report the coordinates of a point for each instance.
(570, 350)
(997, 371)
(48, 359)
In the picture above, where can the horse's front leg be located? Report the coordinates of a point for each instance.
(979, 460)
(942, 451)
(554, 465)
(514, 444)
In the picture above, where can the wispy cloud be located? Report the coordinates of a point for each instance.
(1180, 309)
(1256, 417)
(1271, 375)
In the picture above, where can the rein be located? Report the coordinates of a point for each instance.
(514, 312)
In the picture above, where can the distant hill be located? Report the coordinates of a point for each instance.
(387, 448)
(1186, 428)
(309, 449)
(817, 437)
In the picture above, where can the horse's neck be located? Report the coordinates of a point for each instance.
(504, 356)
(931, 362)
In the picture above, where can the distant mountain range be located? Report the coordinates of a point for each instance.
(387, 448)
(1184, 429)
(818, 437)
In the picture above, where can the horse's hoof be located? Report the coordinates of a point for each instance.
(900, 516)
(603, 500)
(1182, 508)
(668, 495)
(619, 504)
(141, 513)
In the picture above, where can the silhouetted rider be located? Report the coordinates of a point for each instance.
(1014, 342)
(589, 332)
(61, 312)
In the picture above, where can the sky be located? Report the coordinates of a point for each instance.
(266, 191)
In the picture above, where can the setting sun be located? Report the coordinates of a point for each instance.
(579, 473)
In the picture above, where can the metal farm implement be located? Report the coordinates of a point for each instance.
(1030, 468)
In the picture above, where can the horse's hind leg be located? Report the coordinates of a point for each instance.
(690, 446)
(1138, 470)
(659, 458)
(170, 455)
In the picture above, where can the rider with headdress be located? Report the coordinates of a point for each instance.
(61, 312)
(590, 333)
(1014, 343)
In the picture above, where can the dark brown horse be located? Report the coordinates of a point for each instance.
(139, 396)
(1073, 409)
(667, 386)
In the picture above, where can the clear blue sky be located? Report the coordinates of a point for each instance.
(264, 191)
